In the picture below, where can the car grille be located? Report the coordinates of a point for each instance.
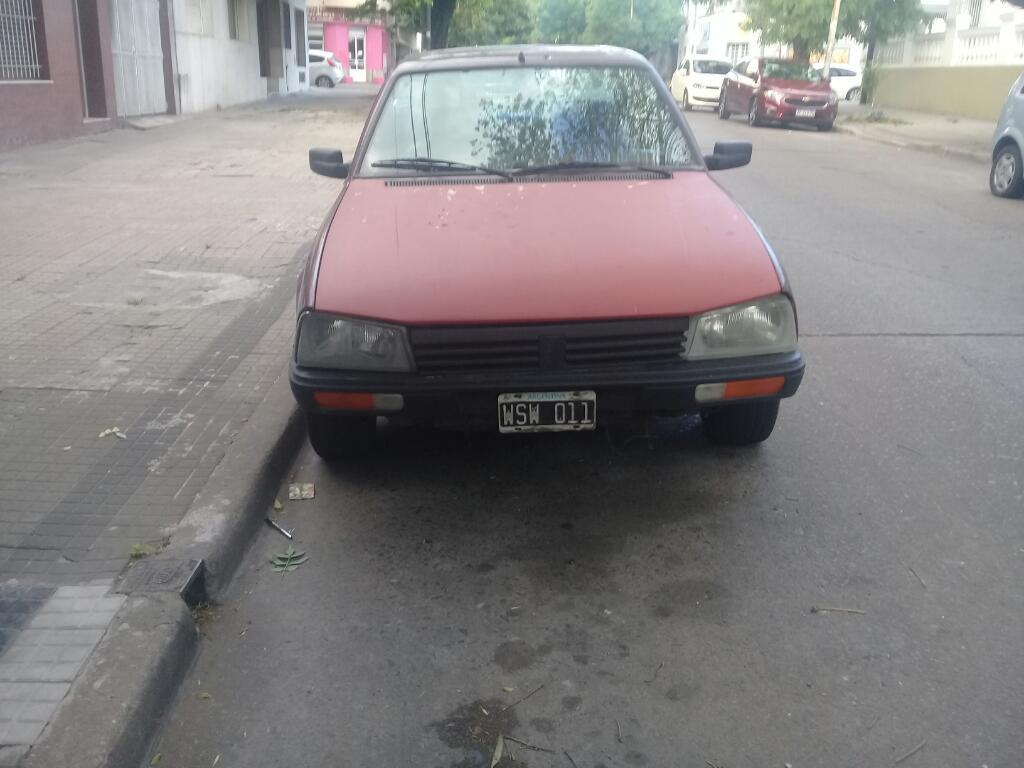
(798, 101)
(626, 343)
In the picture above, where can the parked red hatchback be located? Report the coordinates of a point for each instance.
(528, 240)
(778, 90)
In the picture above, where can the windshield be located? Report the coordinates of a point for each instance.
(711, 67)
(791, 70)
(521, 117)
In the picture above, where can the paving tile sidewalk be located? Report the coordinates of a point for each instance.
(942, 134)
(146, 277)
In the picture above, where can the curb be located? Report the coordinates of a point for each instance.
(126, 685)
(935, 149)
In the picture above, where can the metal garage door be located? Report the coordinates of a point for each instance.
(138, 57)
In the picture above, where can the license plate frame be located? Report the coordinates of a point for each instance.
(806, 112)
(522, 412)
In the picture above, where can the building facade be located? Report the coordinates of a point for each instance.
(363, 42)
(68, 67)
(962, 60)
(56, 69)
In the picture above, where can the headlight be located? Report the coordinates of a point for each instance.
(762, 327)
(777, 96)
(328, 341)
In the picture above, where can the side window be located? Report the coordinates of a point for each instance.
(741, 68)
(686, 67)
(752, 68)
(314, 59)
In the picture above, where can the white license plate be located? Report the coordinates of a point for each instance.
(547, 411)
(806, 112)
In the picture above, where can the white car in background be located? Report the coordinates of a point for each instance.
(325, 70)
(845, 81)
(698, 80)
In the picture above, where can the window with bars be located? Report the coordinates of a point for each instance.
(736, 51)
(22, 43)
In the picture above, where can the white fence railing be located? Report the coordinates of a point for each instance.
(979, 46)
(983, 46)
(928, 48)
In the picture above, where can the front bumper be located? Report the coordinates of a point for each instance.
(470, 400)
(704, 95)
(787, 113)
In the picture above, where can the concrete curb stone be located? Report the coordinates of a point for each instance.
(892, 141)
(116, 702)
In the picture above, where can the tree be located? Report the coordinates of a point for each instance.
(803, 24)
(562, 21)
(643, 25)
(413, 14)
(492, 22)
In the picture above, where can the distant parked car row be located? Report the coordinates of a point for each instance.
(698, 80)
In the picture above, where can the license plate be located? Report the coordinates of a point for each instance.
(547, 411)
(806, 112)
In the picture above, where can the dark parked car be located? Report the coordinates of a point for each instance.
(778, 91)
(528, 240)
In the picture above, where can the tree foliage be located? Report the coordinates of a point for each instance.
(561, 21)
(803, 24)
(652, 24)
(492, 22)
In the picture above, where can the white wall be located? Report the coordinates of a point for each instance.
(212, 69)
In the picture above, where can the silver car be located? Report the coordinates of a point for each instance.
(1007, 176)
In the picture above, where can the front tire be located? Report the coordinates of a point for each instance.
(740, 424)
(687, 106)
(825, 127)
(324, 82)
(753, 116)
(1006, 179)
(853, 95)
(341, 436)
(723, 112)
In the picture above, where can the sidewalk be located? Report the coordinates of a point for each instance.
(941, 134)
(148, 277)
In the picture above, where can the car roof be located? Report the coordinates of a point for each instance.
(509, 55)
(705, 57)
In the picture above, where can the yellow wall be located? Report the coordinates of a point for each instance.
(977, 92)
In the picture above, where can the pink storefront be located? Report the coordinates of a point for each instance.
(361, 47)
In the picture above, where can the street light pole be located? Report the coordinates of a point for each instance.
(833, 26)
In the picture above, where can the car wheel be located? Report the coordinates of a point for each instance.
(741, 424)
(1007, 176)
(686, 100)
(853, 95)
(341, 436)
(723, 113)
(753, 116)
(826, 126)
(324, 82)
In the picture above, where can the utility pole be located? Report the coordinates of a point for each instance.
(833, 25)
(631, 8)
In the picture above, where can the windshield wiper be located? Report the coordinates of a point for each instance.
(576, 165)
(429, 163)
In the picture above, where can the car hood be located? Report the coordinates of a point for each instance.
(540, 251)
(798, 87)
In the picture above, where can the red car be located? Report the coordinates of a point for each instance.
(778, 91)
(528, 240)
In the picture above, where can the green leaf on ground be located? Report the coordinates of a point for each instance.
(278, 506)
(288, 560)
(157, 758)
(204, 696)
(499, 750)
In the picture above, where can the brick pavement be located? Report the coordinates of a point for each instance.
(147, 278)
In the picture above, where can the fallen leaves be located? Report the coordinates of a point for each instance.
(288, 560)
(300, 491)
(115, 431)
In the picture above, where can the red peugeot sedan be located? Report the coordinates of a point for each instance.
(779, 91)
(528, 240)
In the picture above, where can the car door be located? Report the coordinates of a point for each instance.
(731, 85)
(746, 82)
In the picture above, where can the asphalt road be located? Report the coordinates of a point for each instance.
(655, 598)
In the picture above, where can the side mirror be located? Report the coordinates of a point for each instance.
(729, 154)
(755, 77)
(328, 162)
